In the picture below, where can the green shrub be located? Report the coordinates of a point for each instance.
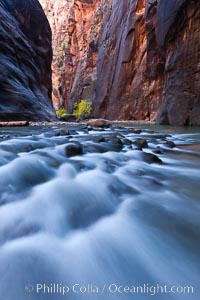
(82, 109)
(61, 112)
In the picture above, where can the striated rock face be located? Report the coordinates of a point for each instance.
(25, 59)
(76, 26)
(149, 62)
(128, 77)
(178, 35)
(137, 59)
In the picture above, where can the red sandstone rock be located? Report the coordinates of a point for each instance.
(136, 60)
(75, 26)
(148, 64)
(98, 123)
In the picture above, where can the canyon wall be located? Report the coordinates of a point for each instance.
(25, 59)
(149, 62)
(178, 36)
(76, 26)
(134, 59)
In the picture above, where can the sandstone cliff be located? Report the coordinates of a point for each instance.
(25, 59)
(76, 26)
(149, 62)
(136, 59)
(178, 36)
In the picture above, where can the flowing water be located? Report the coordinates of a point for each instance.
(112, 217)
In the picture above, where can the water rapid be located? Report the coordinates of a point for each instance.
(99, 209)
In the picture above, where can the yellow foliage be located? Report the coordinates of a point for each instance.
(61, 112)
(82, 109)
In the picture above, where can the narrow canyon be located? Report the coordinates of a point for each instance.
(99, 149)
(135, 60)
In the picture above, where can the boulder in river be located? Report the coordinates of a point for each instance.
(141, 143)
(170, 144)
(99, 123)
(73, 149)
(151, 158)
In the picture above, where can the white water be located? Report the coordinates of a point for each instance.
(100, 218)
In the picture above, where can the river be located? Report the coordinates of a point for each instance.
(98, 212)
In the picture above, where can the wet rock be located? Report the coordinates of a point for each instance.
(114, 139)
(73, 149)
(151, 158)
(110, 144)
(134, 130)
(98, 139)
(73, 132)
(160, 136)
(157, 151)
(91, 147)
(149, 131)
(141, 143)
(99, 123)
(62, 132)
(170, 144)
(115, 143)
(126, 141)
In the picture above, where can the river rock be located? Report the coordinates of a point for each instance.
(170, 144)
(157, 151)
(141, 143)
(99, 123)
(98, 139)
(126, 141)
(134, 130)
(151, 158)
(62, 132)
(73, 149)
